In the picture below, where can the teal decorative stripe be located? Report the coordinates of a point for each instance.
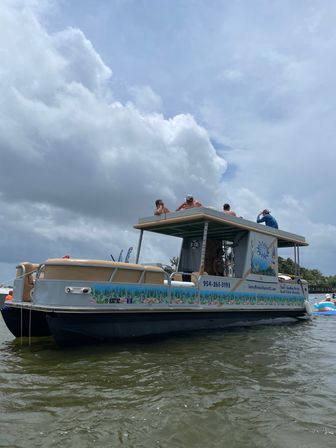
(152, 294)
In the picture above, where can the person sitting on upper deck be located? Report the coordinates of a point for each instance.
(160, 207)
(190, 202)
(266, 217)
(228, 211)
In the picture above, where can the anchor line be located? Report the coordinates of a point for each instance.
(29, 327)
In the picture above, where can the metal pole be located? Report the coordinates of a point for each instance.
(139, 247)
(298, 257)
(204, 241)
(295, 269)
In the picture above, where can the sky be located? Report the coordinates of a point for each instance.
(107, 105)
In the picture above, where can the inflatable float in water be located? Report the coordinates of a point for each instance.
(326, 306)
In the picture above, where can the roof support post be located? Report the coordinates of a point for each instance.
(297, 260)
(139, 247)
(204, 241)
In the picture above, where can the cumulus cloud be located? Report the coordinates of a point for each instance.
(80, 164)
(145, 99)
(79, 168)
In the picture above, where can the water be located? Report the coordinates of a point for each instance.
(269, 386)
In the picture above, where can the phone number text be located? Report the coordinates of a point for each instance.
(216, 284)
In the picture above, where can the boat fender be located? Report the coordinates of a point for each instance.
(77, 290)
(309, 309)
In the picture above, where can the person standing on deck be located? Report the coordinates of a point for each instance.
(266, 217)
(190, 202)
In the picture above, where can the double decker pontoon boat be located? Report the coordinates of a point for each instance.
(227, 275)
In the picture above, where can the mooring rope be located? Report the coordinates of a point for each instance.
(21, 325)
(29, 326)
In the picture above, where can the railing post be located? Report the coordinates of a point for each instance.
(139, 247)
(204, 241)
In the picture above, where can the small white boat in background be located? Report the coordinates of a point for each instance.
(227, 276)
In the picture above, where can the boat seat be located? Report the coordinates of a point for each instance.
(101, 271)
(177, 277)
(25, 270)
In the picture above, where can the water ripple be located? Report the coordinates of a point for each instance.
(255, 387)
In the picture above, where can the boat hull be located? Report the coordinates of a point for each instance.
(82, 328)
(22, 322)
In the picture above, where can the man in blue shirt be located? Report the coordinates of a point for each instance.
(266, 217)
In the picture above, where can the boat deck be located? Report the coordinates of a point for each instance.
(191, 223)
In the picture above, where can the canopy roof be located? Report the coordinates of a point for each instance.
(190, 223)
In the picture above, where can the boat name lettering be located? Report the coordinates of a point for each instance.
(290, 289)
(216, 284)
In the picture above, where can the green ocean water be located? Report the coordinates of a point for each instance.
(267, 386)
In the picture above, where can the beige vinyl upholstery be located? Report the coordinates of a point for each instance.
(25, 270)
(177, 277)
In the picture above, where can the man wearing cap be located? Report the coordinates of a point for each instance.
(266, 217)
(328, 298)
(190, 202)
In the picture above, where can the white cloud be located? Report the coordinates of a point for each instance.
(77, 168)
(73, 153)
(231, 75)
(145, 99)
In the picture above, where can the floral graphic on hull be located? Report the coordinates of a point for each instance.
(155, 295)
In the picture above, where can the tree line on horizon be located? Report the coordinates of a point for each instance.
(314, 277)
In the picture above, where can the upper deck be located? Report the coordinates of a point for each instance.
(190, 223)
